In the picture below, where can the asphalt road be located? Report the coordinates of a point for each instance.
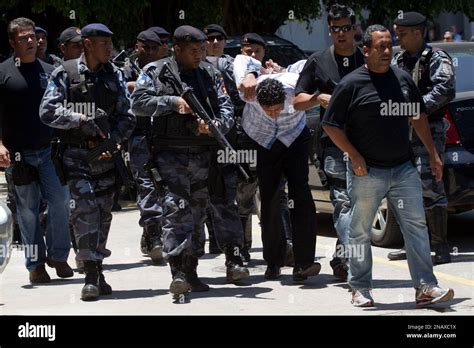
(141, 288)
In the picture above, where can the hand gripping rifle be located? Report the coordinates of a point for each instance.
(187, 93)
(110, 145)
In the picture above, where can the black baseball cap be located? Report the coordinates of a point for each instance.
(161, 32)
(253, 38)
(40, 30)
(410, 19)
(189, 34)
(96, 29)
(148, 35)
(215, 28)
(71, 34)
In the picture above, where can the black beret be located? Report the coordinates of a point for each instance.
(189, 33)
(71, 34)
(252, 38)
(159, 31)
(148, 35)
(215, 28)
(40, 30)
(96, 29)
(410, 19)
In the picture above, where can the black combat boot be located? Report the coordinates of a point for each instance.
(156, 245)
(179, 285)
(90, 291)
(145, 243)
(190, 270)
(437, 221)
(235, 268)
(104, 288)
(247, 227)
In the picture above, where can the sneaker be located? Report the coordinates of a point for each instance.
(431, 294)
(362, 298)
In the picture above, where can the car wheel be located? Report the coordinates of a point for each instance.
(385, 229)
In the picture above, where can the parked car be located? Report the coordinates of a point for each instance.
(277, 49)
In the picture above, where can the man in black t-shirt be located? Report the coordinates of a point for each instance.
(317, 81)
(367, 118)
(26, 142)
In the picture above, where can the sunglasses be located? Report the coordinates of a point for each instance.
(164, 40)
(216, 37)
(344, 28)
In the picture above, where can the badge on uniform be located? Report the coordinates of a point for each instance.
(51, 85)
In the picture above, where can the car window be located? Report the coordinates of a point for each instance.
(278, 50)
(464, 67)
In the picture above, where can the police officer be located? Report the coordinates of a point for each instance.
(76, 92)
(42, 38)
(147, 50)
(432, 70)
(70, 43)
(215, 43)
(182, 148)
(224, 217)
(164, 36)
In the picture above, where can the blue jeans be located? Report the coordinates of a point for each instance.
(28, 197)
(401, 186)
(335, 168)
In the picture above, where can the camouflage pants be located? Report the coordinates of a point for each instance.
(147, 198)
(185, 201)
(224, 212)
(433, 192)
(92, 187)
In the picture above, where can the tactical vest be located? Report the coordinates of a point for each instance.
(130, 74)
(174, 129)
(103, 91)
(424, 83)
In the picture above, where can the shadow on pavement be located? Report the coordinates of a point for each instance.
(55, 282)
(383, 284)
(317, 282)
(135, 293)
(125, 266)
(440, 307)
(237, 292)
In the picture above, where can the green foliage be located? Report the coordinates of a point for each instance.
(127, 17)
